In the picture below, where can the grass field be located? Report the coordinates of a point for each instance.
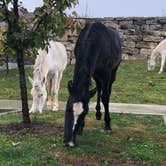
(133, 84)
(136, 139)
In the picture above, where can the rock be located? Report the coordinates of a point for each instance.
(134, 38)
(161, 20)
(128, 43)
(127, 26)
(147, 45)
(130, 51)
(155, 27)
(152, 38)
(163, 33)
(145, 52)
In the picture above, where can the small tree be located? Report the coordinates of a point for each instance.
(3, 58)
(22, 34)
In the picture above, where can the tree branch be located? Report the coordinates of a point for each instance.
(6, 14)
(15, 9)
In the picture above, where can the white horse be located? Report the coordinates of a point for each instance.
(158, 52)
(48, 69)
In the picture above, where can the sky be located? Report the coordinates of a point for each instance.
(112, 8)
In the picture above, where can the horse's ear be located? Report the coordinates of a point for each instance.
(70, 86)
(30, 80)
(92, 93)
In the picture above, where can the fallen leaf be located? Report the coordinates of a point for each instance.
(16, 143)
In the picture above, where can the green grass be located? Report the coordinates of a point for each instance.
(136, 140)
(133, 84)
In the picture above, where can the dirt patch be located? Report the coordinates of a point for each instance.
(69, 159)
(92, 159)
(37, 128)
(160, 139)
(138, 127)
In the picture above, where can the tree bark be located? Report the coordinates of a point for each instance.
(7, 65)
(23, 88)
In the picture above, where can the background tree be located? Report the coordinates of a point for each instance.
(2, 38)
(4, 50)
(22, 34)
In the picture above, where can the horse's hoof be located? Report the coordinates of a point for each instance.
(69, 144)
(80, 132)
(31, 112)
(55, 109)
(108, 131)
(48, 104)
(98, 116)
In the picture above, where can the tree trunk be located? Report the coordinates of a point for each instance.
(7, 65)
(23, 88)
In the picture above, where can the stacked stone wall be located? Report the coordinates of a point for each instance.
(139, 35)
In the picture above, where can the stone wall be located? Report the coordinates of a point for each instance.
(139, 35)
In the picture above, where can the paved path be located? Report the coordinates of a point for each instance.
(10, 65)
(114, 107)
(15, 106)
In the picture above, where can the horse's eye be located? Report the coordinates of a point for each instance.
(40, 95)
(36, 86)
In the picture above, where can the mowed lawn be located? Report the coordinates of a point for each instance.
(133, 84)
(136, 139)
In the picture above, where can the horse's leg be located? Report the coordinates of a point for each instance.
(163, 58)
(49, 99)
(106, 91)
(98, 107)
(54, 84)
(56, 90)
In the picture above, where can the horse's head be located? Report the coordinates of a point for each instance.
(151, 62)
(39, 94)
(76, 109)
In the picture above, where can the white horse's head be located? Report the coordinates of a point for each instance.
(151, 62)
(39, 94)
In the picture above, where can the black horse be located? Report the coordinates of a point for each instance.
(98, 55)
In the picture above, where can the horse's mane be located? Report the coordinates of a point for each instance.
(38, 63)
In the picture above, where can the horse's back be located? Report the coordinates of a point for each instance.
(107, 42)
(110, 51)
(113, 40)
(161, 47)
(100, 47)
(57, 56)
